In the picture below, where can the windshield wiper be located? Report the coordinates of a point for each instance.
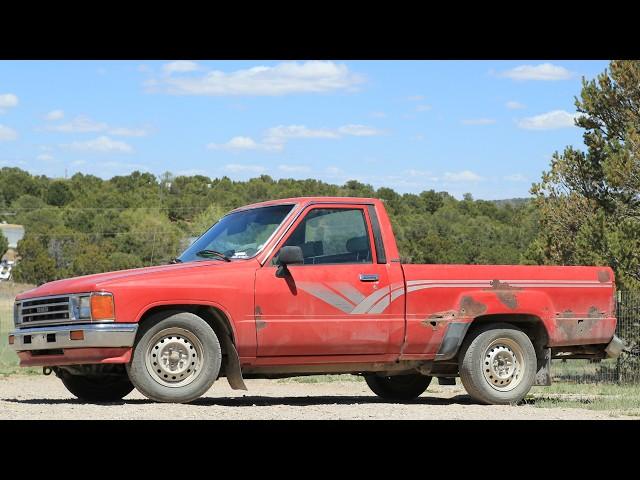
(213, 253)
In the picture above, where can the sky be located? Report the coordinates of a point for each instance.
(488, 128)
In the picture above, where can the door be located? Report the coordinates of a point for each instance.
(338, 301)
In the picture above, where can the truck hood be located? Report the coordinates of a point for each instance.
(101, 281)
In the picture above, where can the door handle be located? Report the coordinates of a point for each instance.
(369, 277)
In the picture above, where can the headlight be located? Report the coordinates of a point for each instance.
(84, 307)
(16, 313)
(93, 307)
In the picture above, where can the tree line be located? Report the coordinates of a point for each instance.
(584, 210)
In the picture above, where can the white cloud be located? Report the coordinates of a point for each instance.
(516, 177)
(80, 124)
(243, 143)
(281, 79)
(378, 115)
(45, 157)
(282, 133)
(7, 134)
(423, 108)
(544, 71)
(54, 115)
(513, 105)
(239, 168)
(359, 130)
(84, 124)
(78, 162)
(415, 98)
(275, 138)
(180, 66)
(128, 132)
(423, 174)
(548, 121)
(294, 168)
(479, 121)
(463, 176)
(101, 144)
(7, 100)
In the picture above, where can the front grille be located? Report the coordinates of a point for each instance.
(44, 310)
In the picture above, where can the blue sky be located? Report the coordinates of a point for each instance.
(484, 127)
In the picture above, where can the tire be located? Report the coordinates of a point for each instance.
(176, 358)
(498, 364)
(93, 388)
(398, 387)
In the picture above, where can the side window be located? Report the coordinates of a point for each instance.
(333, 235)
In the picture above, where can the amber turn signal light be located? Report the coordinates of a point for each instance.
(12, 339)
(76, 335)
(102, 307)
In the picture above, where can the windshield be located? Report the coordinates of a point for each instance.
(238, 235)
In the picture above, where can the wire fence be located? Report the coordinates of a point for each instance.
(625, 369)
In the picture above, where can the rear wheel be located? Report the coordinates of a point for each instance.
(97, 388)
(398, 387)
(176, 358)
(498, 364)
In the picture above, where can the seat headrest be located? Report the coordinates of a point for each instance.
(357, 244)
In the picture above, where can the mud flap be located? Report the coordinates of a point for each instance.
(543, 375)
(232, 367)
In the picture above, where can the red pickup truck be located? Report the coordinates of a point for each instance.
(313, 285)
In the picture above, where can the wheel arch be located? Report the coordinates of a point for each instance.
(220, 323)
(457, 332)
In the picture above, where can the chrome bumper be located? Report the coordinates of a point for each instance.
(59, 337)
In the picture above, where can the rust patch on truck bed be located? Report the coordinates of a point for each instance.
(577, 327)
(446, 315)
(604, 276)
(505, 293)
(470, 308)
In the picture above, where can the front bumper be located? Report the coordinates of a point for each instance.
(104, 335)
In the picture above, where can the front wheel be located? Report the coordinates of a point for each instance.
(97, 388)
(177, 357)
(498, 364)
(398, 387)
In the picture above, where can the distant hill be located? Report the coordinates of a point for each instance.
(514, 202)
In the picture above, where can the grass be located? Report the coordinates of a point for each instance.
(616, 399)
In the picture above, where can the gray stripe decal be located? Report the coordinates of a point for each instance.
(349, 291)
(368, 302)
(326, 295)
(396, 293)
(381, 305)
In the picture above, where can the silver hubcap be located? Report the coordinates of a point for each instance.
(503, 364)
(174, 357)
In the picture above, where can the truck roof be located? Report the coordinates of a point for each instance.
(282, 201)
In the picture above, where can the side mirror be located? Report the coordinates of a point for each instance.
(288, 256)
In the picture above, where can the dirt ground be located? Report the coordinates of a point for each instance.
(44, 397)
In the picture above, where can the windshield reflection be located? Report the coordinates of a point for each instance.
(239, 235)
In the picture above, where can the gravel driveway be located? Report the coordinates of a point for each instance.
(40, 397)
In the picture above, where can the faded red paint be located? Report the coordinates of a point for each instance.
(274, 321)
